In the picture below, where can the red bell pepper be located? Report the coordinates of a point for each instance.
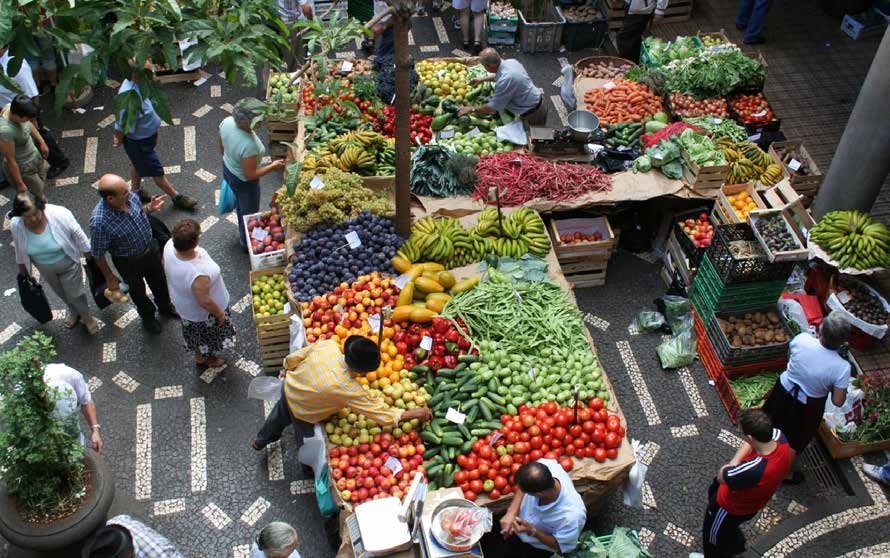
(441, 325)
(399, 336)
(463, 342)
(436, 363)
(452, 335)
(402, 347)
(439, 350)
(438, 339)
(450, 361)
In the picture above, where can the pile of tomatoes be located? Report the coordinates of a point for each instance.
(753, 109)
(700, 231)
(687, 106)
(360, 472)
(546, 431)
(420, 125)
(313, 102)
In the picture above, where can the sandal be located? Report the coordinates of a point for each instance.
(71, 321)
(91, 324)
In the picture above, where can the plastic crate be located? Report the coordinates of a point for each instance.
(693, 253)
(709, 295)
(265, 260)
(742, 270)
(731, 356)
(544, 36)
(501, 37)
(503, 24)
(585, 34)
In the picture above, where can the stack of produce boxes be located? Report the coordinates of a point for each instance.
(583, 247)
(734, 294)
(586, 24)
(503, 23)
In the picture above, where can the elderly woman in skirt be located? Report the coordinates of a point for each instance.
(815, 371)
(199, 294)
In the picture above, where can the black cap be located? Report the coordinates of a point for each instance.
(111, 541)
(362, 354)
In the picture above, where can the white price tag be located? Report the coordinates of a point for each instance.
(393, 99)
(342, 312)
(353, 240)
(441, 72)
(426, 343)
(374, 322)
(794, 164)
(346, 67)
(473, 133)
(455, 416)
(494, 438)
(259, 234)
(609, 85)
(446, 134)
(844, 297)
(316, 183)
(531, 372)
(402, 280)
(759, 114)
(286, 308)
(754, 138)
(517, 296)
(393, 465)
(716, 120)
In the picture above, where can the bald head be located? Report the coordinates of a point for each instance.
(490, 58)
(114, 190)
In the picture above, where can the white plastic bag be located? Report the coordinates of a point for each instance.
(265, 388)
(845, 417)
(297, 333)
(187, 63)
(312, 452)
(793, 313)
(566, 90)
(514, 132)
(633, 489)
(875, 330)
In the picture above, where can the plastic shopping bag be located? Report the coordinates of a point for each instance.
(226, 199)
(312, 454)
(567, 89)
(678, 312)
(297, 333)
(648, 321)
(678, 351)
(265, 388)
(323, 495)
(633, 489)
(845, 417)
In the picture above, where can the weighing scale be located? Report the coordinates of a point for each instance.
(560, 142)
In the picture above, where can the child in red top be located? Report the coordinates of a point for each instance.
(745, 485)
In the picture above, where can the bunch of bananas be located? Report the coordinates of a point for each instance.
(748, 162)
(443, 240)
(362, 152)
(852, 239)
(523, 232)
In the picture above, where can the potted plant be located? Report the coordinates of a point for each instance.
(53, 491)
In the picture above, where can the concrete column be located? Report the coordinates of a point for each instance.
(862, 160)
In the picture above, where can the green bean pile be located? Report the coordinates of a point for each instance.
(751, 391)
(539, 317)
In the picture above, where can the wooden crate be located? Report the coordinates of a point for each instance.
(842, 450)
(804, 185)
(295, 106)
(675, 259)
(675, 13)
(783, 196)
(281, 131)
(705, 178)
(168, 76)
(733, 189)
(720, 35)
(584, 264)
(265, 260)
(273, 332)
(800, 253)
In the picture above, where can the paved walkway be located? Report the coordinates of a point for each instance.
(178, 442)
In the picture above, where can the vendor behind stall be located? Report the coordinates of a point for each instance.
(545, 516)
(318, 382)
(513, 90)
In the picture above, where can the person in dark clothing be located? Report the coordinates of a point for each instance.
(637, 16)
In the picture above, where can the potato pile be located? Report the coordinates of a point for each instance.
(577, 14)
(754, 329)
(605, 70)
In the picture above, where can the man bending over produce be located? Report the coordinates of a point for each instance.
(318, 383)
(513, 90)
(745, 485)
(545, 516)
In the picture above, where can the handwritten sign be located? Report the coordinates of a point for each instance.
(402, 280)
(259, 234)
(353, 240)
(494, 438)
(794, 164)
(446, 134)
(426, 343)
(473, 133)
(393, 465)
(346, 67)
(609, 85)
(316, 183)
(374, 322)
(455, 416)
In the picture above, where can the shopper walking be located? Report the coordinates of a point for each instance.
(199, 294)
(751, 16)
(638, 14)
(121, 228)
(73, 395)
(242, 151)
(49, 237)
(23, 148)
(276, 540)
(139, 141)
(744, 486)
(815, 370)
(292, 11)
(124, 537)
(384, 32)
(478, 9)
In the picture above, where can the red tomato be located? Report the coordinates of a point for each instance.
(462, 461)
(583, 414)
(563, 419)
(465, 486)
(494, 494)
(550, 407)
(535, 443)
(470, 495)
(506, 460)
(460, 477)
(535, 455)
(575, 430)
(493, 472)
(597, 403)
(551, 455)
(613, 423)
(599, 454)
(578, 443)
(473, 475)
(534, 430)
(476, 486)
(528, 420)
(567, 464)
(612, 453)
(472, 463)
(559, 433)
(484, 452)
(500, 482)
(598, 437)
(588, 426)
(483, 469)
(521, 447)
(612, 440)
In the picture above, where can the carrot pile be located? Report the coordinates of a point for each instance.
(628, 101)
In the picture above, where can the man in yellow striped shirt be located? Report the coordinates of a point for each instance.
(318, 382)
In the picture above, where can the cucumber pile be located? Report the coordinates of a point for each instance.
(624, 135)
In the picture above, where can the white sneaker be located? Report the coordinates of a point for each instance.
(874, 473)
(696, 555)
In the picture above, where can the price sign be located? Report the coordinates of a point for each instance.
(446, 134)
(353, 240)
(609, 85)
(441, 72)
(759, 114)
(716, 120)
(402, 280)
(843, 296)
(286, 308)
(393, 465)
(473, 133)
(494, 438)
(374, 322)
(346, 67)
(531, 372)
(455, 416)
(517, 296)
(259, 234)
(426, 343)
(754, 138)
(316, 183)
(342, 312)
(794, 164)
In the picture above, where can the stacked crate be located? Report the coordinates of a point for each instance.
(273, 332)
(584, 264)
(502, 30)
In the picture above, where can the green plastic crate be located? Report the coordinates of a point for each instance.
(708, 294)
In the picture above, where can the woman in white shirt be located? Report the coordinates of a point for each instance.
(199, 294)
(815, 371)
(276, 540)
(49, 237)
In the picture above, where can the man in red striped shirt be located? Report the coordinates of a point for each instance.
(745, 485)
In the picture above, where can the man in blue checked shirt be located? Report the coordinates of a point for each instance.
(119, 226)
(124, 537)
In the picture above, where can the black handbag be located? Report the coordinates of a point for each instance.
(159, 230)
(34, 299)
(97, 284)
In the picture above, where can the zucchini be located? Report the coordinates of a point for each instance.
(468, 358)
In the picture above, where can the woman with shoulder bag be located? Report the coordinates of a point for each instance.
(49, 237)
(200, 295)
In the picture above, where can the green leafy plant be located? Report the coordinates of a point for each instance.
(42, 461)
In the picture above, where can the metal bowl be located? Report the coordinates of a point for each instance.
(582, 123)
(435, 526)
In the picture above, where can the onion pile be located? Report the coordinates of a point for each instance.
(687, 106)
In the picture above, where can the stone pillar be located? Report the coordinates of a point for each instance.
(862, 160)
